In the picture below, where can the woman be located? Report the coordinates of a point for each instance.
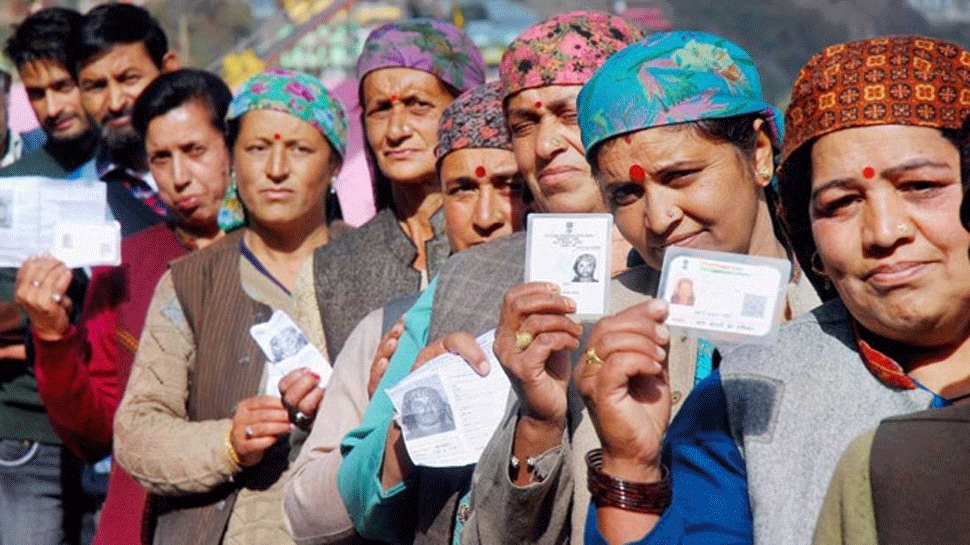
(484, 200)
(409, 72)
(82, 370)
(905, 482)
(192, 428)
(688, 162)
(683, 293)
(870, 182)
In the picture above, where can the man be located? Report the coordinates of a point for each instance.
(118, 50)
(40, 495)
(39, 50)
(12, 145)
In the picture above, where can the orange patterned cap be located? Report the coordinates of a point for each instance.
(894, 80)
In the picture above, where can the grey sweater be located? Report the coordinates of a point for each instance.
(793, 408)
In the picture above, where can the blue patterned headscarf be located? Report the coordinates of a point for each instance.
(669, 78)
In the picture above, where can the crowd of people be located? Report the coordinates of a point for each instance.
(137, 404)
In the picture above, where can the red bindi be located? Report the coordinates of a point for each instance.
(626, 138)
(637, 174)
(276, 136)
(480, 171)
(538, 105)
(868, 173)
(393, 98)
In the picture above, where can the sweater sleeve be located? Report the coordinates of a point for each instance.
(154, 441)
(848, 516)
(77, 376)
(710, 494)
(313, 482)
(378, 513)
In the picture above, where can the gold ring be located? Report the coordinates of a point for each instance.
(593, 357)
(56, 297)
(248, 432)
(522, 340)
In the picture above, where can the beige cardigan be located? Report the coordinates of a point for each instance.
(169, 455)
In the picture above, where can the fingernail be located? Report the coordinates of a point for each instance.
(315, 376)
(660, 353)
(663, 333)
(553, 288)
(569, 303)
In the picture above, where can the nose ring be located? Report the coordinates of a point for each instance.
(902, 228)
(670, 213)
(556, 142)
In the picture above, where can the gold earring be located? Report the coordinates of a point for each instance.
(819, 268)
(764, 173)
(815, 263)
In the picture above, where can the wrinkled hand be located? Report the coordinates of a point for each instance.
(301, 396)
(41, 288)
(266, 420)
(461, 343)
(628, 394)
(385, 350)
(540, 373)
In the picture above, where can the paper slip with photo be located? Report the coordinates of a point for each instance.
(724, 296)
(83, 244)
(286, 349)
(32, 208)
(447, 412)
(573, 251)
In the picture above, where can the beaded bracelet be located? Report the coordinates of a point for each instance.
(234, 461)
(608, 491)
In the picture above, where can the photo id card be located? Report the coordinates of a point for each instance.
(287, 349)
(87, 244)
(573, 251)
(724, 296)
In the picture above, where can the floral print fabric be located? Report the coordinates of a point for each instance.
(474, 120)
(564, 50)
(297, 94)
(669, 78)
(438, 48)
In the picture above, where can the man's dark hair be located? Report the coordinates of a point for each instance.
(5, 81)
(173, 89)
(44, 36)
(110, 25)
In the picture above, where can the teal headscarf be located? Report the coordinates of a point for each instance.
(669, 78)
(295, 93)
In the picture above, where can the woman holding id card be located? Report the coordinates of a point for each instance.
(682, 142)
(193, 428)
(870, 183)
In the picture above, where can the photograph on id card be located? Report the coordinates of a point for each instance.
(724, 296)
(573, 252)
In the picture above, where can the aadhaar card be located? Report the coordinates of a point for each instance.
(724, 296)
(572, 251)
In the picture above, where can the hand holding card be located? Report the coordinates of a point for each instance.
(573, 252)
(724, 296)
(623, 380)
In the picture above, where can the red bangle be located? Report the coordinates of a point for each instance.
(608, 491)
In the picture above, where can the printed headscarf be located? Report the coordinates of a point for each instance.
(670, 78)
(564, 50)
(298, 94)
(438, 48)
(294, 93)
(474, 120)
(898, 80)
